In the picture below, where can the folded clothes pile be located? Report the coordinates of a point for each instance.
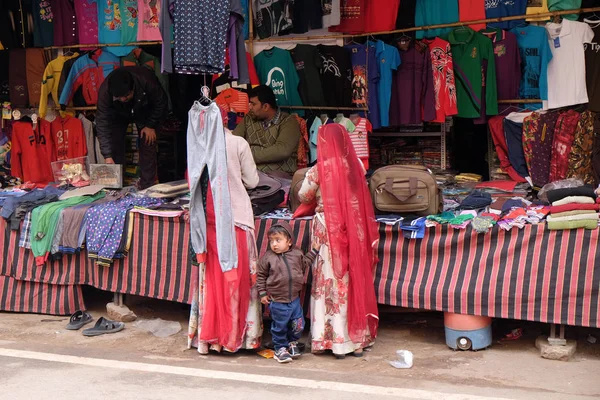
(573, 208)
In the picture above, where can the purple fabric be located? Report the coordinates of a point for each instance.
(232, 46)
(87, 21)
(541, 146)
(508, 62)
(483, 118)
(65, 26)
(413, 94)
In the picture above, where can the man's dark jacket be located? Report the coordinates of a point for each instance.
(148, 108)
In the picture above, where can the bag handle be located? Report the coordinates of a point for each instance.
(412, 188)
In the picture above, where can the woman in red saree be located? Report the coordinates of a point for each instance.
(343, 312)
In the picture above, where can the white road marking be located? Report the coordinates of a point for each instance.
(241, 377)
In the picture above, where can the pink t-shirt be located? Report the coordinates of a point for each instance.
(87, 21)
(148, 16)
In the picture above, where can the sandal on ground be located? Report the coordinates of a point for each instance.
(79, 319)
(358, 353)
(103, 326)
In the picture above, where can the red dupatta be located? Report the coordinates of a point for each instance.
(351, 226)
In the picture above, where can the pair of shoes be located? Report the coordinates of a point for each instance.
(283, 356)
(103, 325)
(294, 350)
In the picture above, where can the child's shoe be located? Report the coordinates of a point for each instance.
(294, 350)
(283, 356)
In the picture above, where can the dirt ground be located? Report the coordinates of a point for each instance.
(505, 365)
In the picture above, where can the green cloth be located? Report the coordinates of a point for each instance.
(576, 224)
(469, 50)
(45, 218)
(274, 148)
(129, 26)
(561, 5)
(459, 219)
(442, 218)
(139, 57)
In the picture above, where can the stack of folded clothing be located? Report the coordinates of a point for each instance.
(573, 208)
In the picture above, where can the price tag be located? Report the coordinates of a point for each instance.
(556, 42)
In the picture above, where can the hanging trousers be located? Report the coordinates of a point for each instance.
(206, 149)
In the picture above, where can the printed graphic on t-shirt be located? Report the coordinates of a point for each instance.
(535, 3)
(150, 17)
(112, 19)
(500, 50)
(491, 4)
(359, 86)
(46, 11)
(530, 71)
(442, 70)
(131, 16)
(330, 66)
(62, 144)
(594, 47)
(276, 80)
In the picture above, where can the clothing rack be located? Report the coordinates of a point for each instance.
(76, 46)
(427, 27)
(326, 108)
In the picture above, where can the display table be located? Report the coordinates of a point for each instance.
(531, 274)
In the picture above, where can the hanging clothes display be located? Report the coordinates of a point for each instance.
(580, 160)
(443, 78)
(388, 59)
(505, 8)
(381, 15)
(566, 71)
(513, 131)
(336, 75)
(592, 67)
(406, 14)
(43, 23)
(86, 12)
(562, 5)
(32, 152)
(17, 78)
(36, 65)
(496, 125)
(148, 17)
(129, 25)
(535, 57)
(537, 7)
(309, 15)
(365, 77)
(276, 69)
(470, 51)
(200, 30)
(538, 139)
(308, 64)
(65, 23)
(413, 93)
(472, 10)
(435, 12)
(331, 12)
(272, 18)
(68, 138)
(508, 62)
(360, 138)
(352, 17)
(206, 149)
(564, 135)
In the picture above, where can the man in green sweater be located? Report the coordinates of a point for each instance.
(272, 134)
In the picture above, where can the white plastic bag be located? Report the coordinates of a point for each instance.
(404, 361)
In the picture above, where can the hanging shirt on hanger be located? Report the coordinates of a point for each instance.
(331, 13)
(65, 23)
(381, 15)
(535, 56)
(592, 68)
(307, 15)
(43, 23)
(406, 14)
(308, 64)
(345, 122)
(443, 78)
(561, 5)
(365, 78)
(352, 17)
(388, 59)
(277, 70)
(314, 135)
(566, 71)
(110, 21)
(32, 152)
(508, 62)
(359, 138)
(148, 17)
(537, 7)
(472, 10)
(336, 75)
(68, 137)
(273, 17)
(470, 51)
(36, 64)
(50, 81)
(129, 27)
(413, 93)
(505, 8)
(87, 18)
(435, 12)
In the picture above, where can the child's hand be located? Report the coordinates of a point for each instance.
(264, 300)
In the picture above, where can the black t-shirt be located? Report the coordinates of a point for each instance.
(592, 70)
(4, 85)
(336, 75)
(308, 64)
(406, 14)
(306, 15)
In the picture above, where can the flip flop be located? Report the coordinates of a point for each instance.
(103, 326)
(79, 319)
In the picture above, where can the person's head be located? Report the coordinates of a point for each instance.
(280, 239)
(263, 104)
(120, 85)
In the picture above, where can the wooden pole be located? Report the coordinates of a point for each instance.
(422, 28)
(326, 108)
(520, 101)
(250, 29)
(76, 46)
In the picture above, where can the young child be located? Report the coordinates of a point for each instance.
(279, 282)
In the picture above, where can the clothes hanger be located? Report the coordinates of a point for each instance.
(204, 93)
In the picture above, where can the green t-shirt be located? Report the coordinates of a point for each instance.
(561, 5)
(129, 26)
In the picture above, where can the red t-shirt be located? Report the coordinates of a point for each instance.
(472, 10)
(381, 15)
(352, 17)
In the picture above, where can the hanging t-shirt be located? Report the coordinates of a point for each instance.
(87, 17)
(352, 17)
(273, 17)
(149, 14)
(566, 71)
(388, 58)
(406, 14)
(109, 21)
(592, 69)
(535, 56)
(434, 12)
(307, 15)
(308, 64)
(472, 10)
(561, 5)
(336, 75)
(129, 10)
(505, 8)
(276, 69)
(65, 23)
(443, 78)
(537, 7)
(413, 93)
(359, 138)
(381, 15)
(345, 122)
(331, 12)
(314, 135)
(471, 50)
(508, 62)
(365, 77)
(43, 20)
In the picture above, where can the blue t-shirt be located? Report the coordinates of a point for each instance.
(109, 21)
(365, 72)
(388, 58)
(434, 12)
(505, 8)
(535, 56)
